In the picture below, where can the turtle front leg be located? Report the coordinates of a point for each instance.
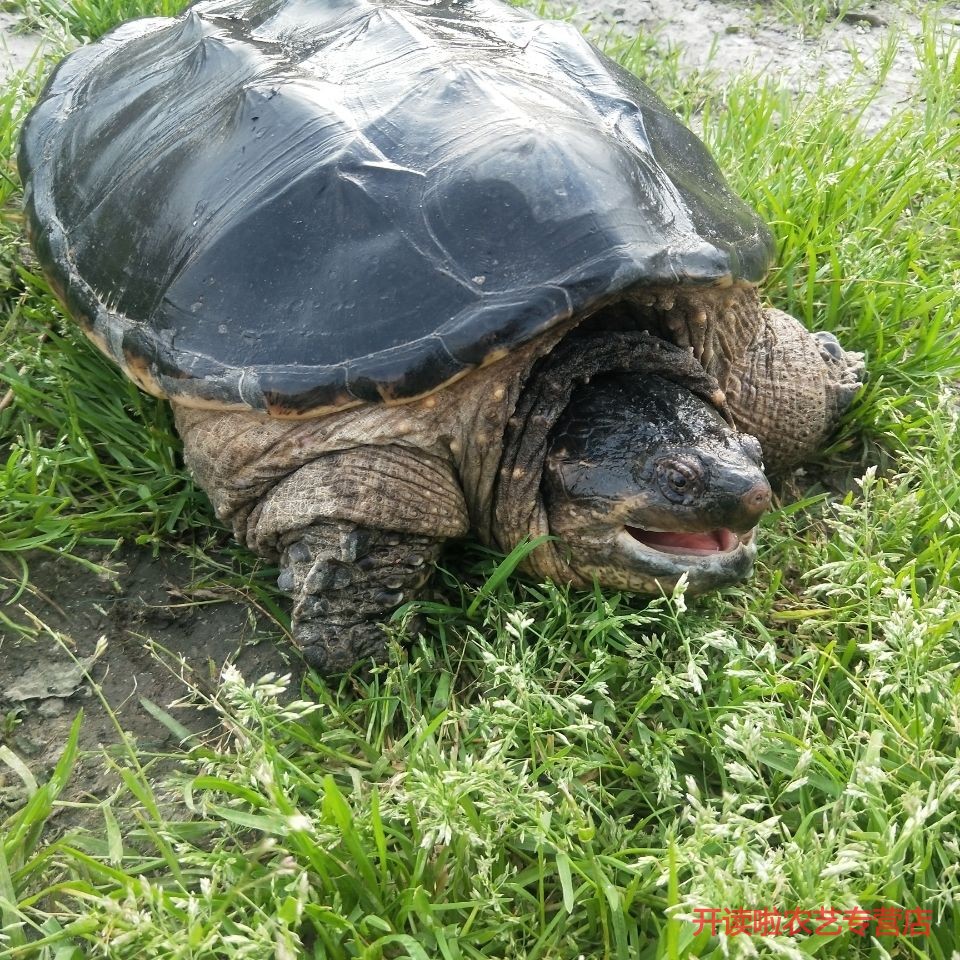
(845, 371)
(345, 581)
(790, 388)
(356, 532)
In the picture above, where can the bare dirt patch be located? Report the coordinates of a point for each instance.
(17, 48)
(107, 630)
(734, 38)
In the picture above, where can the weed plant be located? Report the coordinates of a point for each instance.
(547, 774)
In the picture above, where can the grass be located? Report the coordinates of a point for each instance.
(549, 774)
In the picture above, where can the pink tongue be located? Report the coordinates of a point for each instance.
(712, 540)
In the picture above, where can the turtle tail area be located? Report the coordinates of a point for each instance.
(790, 388)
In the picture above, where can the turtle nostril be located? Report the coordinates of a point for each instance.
(757, 499)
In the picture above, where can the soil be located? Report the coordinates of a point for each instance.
(117, 631)
(138, 602)
(732, 38)
(18, 47)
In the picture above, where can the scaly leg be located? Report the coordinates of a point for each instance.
(790, 388)
(345, 580)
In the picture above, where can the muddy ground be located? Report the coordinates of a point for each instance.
(126, 631)
(138, 601)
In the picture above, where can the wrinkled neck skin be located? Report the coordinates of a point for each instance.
(237, 456)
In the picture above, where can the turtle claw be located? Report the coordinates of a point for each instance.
(333, 648)
(849, 363)
(847, 367)
(829, 345)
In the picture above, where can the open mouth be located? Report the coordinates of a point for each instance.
(702, 544)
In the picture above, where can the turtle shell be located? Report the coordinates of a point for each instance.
(295, 205)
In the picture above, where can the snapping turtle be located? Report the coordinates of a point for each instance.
(408, 270)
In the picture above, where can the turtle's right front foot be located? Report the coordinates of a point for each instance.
(346, 580)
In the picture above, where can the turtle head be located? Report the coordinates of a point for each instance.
(645, 481)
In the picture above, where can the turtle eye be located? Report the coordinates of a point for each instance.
(678, 480)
